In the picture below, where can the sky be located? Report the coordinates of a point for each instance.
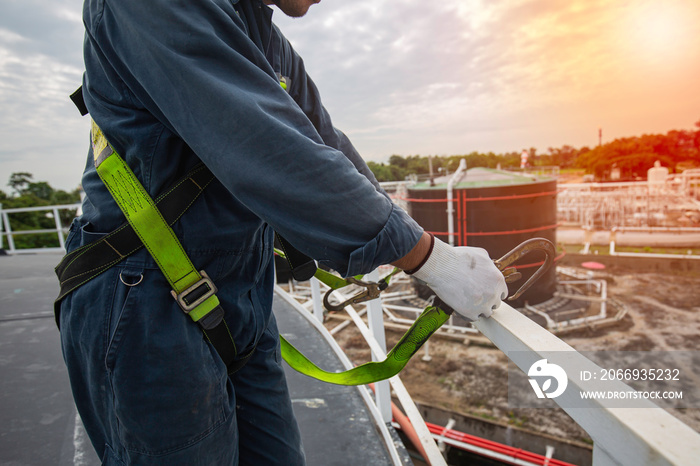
(405, 77)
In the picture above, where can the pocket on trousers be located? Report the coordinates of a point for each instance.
(87, 235)
(126, 289)
(72, 236)
(167, 390)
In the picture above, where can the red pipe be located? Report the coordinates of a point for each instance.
(407, 428)
(516, 453)
(476, 199)
(496, 447)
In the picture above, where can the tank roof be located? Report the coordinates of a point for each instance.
(479, 177)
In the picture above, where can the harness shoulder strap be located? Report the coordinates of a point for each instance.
(86, 262)
(193, 290)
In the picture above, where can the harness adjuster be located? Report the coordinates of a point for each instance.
(195, 294)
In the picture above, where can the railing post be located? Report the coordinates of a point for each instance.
(375, 318)
(6, 229)
(59, 228)
(8, 232)
(316, 299)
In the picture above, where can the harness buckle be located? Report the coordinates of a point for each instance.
(195, 294)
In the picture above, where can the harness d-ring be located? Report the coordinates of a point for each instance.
(130, 284)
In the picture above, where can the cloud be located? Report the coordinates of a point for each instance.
(457, 76)
(406, 76)
(399, 67)
(40, 65)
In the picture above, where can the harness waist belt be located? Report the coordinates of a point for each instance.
(87, 262)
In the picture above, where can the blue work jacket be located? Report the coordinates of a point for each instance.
(172, 83)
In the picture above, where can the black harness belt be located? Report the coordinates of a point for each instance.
(87, 262)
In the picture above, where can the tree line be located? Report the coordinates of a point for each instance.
(29, 193)
(632, 156)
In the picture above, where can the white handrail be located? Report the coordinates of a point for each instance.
(435, 459)
(648, 435)
(6, 228)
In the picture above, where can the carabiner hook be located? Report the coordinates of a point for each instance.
(371, 291)
(524, 248)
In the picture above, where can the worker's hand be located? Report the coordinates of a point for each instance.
(465, 278)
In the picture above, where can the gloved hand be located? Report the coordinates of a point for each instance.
(465, 278)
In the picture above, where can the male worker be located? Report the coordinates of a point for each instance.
(172, 83)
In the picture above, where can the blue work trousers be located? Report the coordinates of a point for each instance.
(152, 390)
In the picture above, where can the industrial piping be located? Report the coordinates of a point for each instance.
(450, 207)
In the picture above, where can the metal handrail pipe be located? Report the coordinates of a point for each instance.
(647, 435)
(40, 208)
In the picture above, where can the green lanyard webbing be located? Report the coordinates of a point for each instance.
(195, 292)
(430, 320)
(143, 215)
(425, 325)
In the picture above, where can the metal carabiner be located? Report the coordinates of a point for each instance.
(371, 291)
(524, 248)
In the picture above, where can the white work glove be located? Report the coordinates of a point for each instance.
(465, 278)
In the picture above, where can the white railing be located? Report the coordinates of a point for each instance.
(676, 237)
(646, 435)
(374, 334)
(627, 204)
(6, 232)
(626, 436)
(380, 405)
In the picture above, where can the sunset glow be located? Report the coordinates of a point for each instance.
(409, 77)
(502, 76)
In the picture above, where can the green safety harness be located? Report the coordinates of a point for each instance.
(193, 290)
(148, 224)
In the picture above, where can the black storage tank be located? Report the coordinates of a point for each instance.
(495, 210)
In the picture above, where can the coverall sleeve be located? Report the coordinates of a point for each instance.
(305, 93)
(193, 67)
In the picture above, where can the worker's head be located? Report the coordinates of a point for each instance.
(293, 8)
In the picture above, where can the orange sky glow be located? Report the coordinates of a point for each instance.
(407, 77)
(503, 75)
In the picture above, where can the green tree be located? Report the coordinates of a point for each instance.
(381, 171)
(564, 157)
(677, 150)
(19, 180)
(35, 194)
(42, 190)
(397, 161)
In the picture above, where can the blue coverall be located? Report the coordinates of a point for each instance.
(172, 83)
